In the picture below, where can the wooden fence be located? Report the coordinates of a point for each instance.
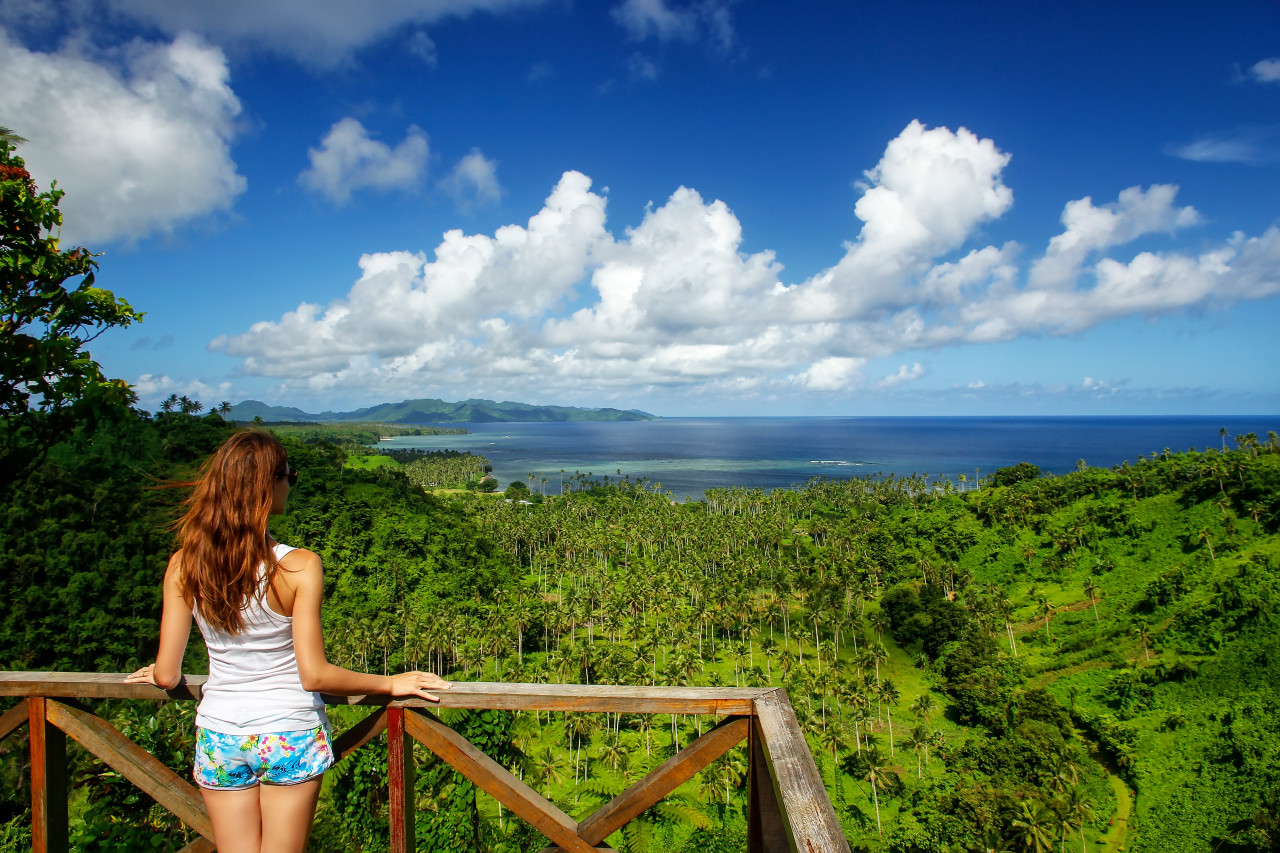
(788, 807)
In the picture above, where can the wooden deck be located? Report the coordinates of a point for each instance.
(788, 807)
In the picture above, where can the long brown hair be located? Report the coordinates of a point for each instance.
(223, 533)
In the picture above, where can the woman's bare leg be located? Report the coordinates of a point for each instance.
(237, 819)
(288, 811)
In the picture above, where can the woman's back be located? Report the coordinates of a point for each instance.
(253, 683)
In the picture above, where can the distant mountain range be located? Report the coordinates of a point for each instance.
(437, 412)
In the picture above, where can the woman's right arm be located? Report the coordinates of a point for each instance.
(306, 577)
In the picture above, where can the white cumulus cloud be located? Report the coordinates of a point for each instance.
(564, 306)
(1091, 229)
(139, 137)
(905, 374)
(1266, 70)
(833, 374)
(349, 160)
(315, 33)
(473, 182)
(930, 191)
(152, 389)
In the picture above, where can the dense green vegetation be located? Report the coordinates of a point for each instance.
(1032, 663)
(353, 437)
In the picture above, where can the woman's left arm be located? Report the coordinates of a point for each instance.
(175, 629)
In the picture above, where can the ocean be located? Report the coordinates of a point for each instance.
(687, 456)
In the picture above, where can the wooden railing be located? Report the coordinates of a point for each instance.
(788, 808)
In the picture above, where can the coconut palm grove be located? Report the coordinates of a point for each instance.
(1020, 662)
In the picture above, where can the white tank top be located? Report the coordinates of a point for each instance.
(253, 685)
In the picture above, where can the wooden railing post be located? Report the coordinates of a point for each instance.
(807, 816)
(400, 769)
(765, 830)
(48, 781)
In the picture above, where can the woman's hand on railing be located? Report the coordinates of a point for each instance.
(416, 684)
(147, 675)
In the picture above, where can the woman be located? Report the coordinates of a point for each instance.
(262, 738)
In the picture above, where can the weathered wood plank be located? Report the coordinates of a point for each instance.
(49, 828)
(595, 698)
(14, 717)
(92, 685)
(359, 734)
(720, 701)
(810, 820)
(495, 780)
(664, 779)
(400, 782)
(765, 830)
(134, 763)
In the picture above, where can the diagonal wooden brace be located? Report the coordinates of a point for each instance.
(359, 734)
(664, 779)
(14, 717)
(133, 763)
(495, 780)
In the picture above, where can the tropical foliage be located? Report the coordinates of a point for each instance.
(50, 310)
(1076, 662)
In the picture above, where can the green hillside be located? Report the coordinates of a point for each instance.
(432, 411)
(1032, 663)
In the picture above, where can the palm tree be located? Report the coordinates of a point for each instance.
(918, 742)
(879, 622)
(8, 137)
(644, 723)
(1065, 771)
(1006, 610)
(878, 653)
(890, 695)
(1207, 538)
(614, 753)
(1080, 810)
(874, 769)
(1144, 636)
(923, 706)
(1046, 610)
(1033, 828)
(1092, 590)
(548, 768)
(832, 738)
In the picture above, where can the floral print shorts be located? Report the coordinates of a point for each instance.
(231, 762)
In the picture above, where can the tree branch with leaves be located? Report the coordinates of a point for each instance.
(50, 310)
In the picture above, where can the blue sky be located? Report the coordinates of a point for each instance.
(692, 207)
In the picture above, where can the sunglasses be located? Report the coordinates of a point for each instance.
(291, 476)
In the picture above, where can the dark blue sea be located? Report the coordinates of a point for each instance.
(690, 455)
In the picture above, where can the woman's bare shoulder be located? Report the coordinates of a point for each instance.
(301, 560)
(174, 569)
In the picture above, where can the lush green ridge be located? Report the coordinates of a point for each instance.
(352, 437)
(831, 590)
(432, 411)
